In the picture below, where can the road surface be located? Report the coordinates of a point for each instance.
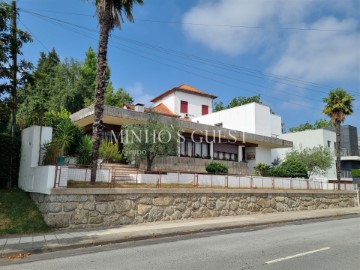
(331, 244)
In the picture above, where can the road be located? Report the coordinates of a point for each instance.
(331, 244)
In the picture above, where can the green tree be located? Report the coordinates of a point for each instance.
(13, 74)
(110, 14)
(321, 123)
(317, 160)
(338, 104)
(118, 98)
(238, 101)
(149, 140)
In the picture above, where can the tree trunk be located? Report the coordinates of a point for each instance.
(149, 161)
(338, 152)
(14, 68)
(104, 21)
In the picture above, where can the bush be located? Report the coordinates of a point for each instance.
(291, 168)
(262, 169)
(355, 172)
(215, 167)
(109, 152)
(85, 151)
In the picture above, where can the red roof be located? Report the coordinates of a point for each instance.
(160, 109)
(184, 88)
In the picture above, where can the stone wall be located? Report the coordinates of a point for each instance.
(187, 164)
(88, 208)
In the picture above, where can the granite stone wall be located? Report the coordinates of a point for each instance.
(88, 208)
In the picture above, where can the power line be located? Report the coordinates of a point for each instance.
(78, 29)
(32, 34)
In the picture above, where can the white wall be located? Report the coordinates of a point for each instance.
(34, 178)
(195, 103)
(251, 118)
(309, 139)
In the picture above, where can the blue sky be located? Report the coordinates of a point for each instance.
(226, 47)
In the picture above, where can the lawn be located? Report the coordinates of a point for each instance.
(18, 214)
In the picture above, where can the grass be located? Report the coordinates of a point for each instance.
(18, 214)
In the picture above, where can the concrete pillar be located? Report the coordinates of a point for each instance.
(179, 148)
(211, 150)
(240, 156)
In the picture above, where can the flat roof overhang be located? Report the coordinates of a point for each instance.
(118, 116)
(351, 158)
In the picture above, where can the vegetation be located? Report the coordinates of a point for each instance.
(18, 214)
(109, 152)
(110, 14)
(150, 140)
(338, 104)
(237, 101)
(299, 163)
(322, 123)
(216, 167)
(13, 74)
(355, 172)
(84, 151)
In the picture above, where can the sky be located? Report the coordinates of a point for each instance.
(292, 53)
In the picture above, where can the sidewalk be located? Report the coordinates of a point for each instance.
(59, 240)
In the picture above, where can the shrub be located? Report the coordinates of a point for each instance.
(216, 167)
(85, 151)
(9, 160)
(109, 152)
(291, 168)
(262, 169)
(355, 172)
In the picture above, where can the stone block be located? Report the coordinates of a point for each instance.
(233, 205)
(89, 205)
(203, 200)
(58, 220)
(155, 214)
(220, 205)
(169, 211)
(104, 198)
(176, 216)
(69, 206)
(96, 220)
(102, 208)
(143, 209)
(181, 207)
(146, 200)
(123, 206)
(163, 201)
(195, 205)
(54, 207)
(80, 216)
(187, 213)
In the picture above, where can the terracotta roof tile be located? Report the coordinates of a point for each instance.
(160, 109)
(184, 88)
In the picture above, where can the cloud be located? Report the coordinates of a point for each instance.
(322, 56)
(254, 13)
(140, 96)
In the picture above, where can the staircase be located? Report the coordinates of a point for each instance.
(120, 173)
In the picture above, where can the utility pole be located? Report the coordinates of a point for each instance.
(14, 67)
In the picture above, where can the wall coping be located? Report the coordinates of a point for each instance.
(129, 191)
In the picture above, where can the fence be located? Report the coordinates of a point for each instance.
(189, 179)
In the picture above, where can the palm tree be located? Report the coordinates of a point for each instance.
(110, 15)
(338, 104)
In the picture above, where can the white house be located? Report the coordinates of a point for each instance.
(186, 101)
(310, 139)
(252, 118)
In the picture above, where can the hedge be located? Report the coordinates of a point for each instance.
(215, 167)
(355, 172)
(9, 160)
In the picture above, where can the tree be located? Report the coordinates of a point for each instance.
(110, 14)
(338, 104)
(149, 140)
(118, 98)
(238, 101)
(13, 75)
(321, 123)
(317, 160)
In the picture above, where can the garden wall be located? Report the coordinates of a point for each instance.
(88, 208)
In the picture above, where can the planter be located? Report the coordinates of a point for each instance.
(60, 161)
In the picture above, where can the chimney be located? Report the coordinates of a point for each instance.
(139, 107)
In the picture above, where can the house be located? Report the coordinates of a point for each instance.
(326, 137)
(241, 144)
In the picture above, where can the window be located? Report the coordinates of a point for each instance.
(184, 107)
(329, 143)
(205, 109)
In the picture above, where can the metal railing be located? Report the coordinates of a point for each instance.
(108, 177)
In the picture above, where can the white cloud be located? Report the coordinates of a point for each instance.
(322, 56)
(140, 96)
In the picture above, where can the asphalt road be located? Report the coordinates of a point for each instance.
(332, 244)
